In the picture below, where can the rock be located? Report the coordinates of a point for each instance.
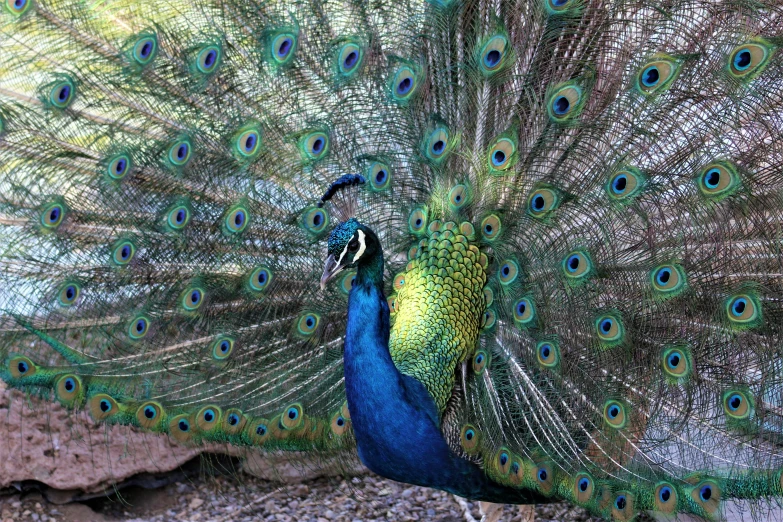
(196, 503)
(407, 493)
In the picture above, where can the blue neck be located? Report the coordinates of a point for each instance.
(395, 419)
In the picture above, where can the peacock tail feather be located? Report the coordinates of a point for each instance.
(580, 204)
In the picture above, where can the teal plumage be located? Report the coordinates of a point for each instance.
(569, 268)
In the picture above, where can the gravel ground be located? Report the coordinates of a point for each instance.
(241, 498)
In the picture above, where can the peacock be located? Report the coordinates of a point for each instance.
(522, 251)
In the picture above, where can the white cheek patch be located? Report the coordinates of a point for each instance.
(362, 246)
(345, 250)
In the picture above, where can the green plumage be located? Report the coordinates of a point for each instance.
(580, 204)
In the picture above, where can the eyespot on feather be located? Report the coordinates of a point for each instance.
(676, 363)
(548, 353)
(718, 180)
(349, 59)
(542, 202)
(68, 294)
(247, 142)
(236, 219)
(102, 407)
(283, 47)
(138, 327)
(192, 298)
(544, 474)
(737, 404)
(668, 280)
(234, 421)
(181, 428)
(208, 59)
(490, 228)
(623, 507)
(666, 498)
(123, 252)
(149, 415)
(144, 49)
(610, 329)
(314, 145)
(52, 215)
(403, 84)
(18, 7)
(339, 424)
(259, 279)
(292, 417)
(615, 415)
(577, 266)
(21, 367)
(656, 75)
(493, 54)
(68, 389)
(417, 221)
(524, 312)
(748, 60)
(565, 103)
(62, 93)
(624, 185)
(208, 418)
(257, 431)
(178, 217)
(469, 439)
(379, 175)
(118, 167)
(584, 487)
(743, 310)
(480, 361)
(706, 495)
(315, 220)
(308, 323)
(180, 153)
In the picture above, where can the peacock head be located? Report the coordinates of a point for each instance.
(350, 244)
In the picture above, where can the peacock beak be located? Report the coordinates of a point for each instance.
(331, 268)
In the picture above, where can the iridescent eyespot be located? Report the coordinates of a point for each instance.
(668, 280)
(62, 93)
(222, 348)
(257, 431)
(315, 220)
(743, 310)
(192, 299)
(208, 418)
(583, 488)
(524, 312)
(737, 404)
(545, 477)
(178, 217)
(283, 47)
(308, 323)
(565, 103)
(123, 253)
(68, 389)
(399, 281)
(379, 175)
(20, 366)
(542, 201)
(119, 166)
(145, 49)
(459, 196)
(489, 296)
(183, 425)
(53, 215)
(469, 439)
(138, 327)
(655, 76)
(558, 6)
(149, 414)
(548, 354)
(103, 406)
(68, 294)
(404, 83)
(503, 461)
(676, 363)
(349, 58)
(18, 7)
(577, 266)
(437, 145)
(492, 55)
(233, 419)
(502, 155)
(208, 59)
(259, 278)
(490, 227)
(292, 417)
(339, 424)
(718, 180)
(610, 329)
(489, 319)
(665, 498)
(623, 507)
(625, 184)
(247, 143)
(236, 220)
(748, 60)
(707, 495)
(180, 152)
(314, 145)
(480, 361)
(508, 272)
(417, 221)
(615, 415)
